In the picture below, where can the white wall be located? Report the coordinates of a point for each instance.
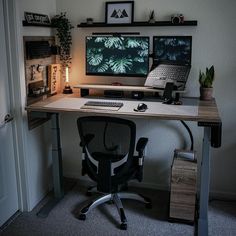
(213, 43)
(37, 142)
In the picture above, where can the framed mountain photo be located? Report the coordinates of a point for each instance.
(121, 12)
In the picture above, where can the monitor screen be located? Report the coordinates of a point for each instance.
(173, 48)
(117, 55)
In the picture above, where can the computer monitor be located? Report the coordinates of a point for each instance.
(117, 55)
(175, 49)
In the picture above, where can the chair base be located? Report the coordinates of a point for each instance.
(93, 189)
(116, 199)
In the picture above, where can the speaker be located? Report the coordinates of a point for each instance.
(167, 94)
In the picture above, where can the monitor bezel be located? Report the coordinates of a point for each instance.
(155, 59)
(121, 74)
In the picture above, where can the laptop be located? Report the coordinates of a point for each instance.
(171, 61)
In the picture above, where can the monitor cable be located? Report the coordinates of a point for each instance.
(189, 132)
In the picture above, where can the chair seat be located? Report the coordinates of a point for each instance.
(131, 174)
(101, 155)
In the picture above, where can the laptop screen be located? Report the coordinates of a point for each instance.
(173, 49)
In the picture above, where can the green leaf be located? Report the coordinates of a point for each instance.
(138, 59)
(94, 59)
(104, 67)
(212, 72)
(206, 80)
(115, 42)
(133, 43)
(143, 52)
(99, 39)
(63, 27)
(121, 65)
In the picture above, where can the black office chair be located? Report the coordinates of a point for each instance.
(108, 158)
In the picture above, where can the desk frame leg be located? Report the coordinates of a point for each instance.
(204, 184)
(57, 168)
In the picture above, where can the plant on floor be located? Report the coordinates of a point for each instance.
(206, 80)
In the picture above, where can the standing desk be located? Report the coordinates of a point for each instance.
(205, 113)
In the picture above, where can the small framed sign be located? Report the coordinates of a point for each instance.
(121, 12)
(35, 18)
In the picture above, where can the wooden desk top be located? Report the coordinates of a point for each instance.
(192, 109)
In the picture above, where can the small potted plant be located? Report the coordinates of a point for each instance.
(151, 19)
(206, 80)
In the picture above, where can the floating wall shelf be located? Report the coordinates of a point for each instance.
(137, 24)
(134, 24)
(25, 23)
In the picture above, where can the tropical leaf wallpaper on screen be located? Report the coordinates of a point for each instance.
(173, 48)
(117, 55)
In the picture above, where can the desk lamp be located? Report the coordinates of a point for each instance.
(67, 89)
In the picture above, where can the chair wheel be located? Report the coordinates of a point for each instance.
(82, 217)
(123, 226)
(148, 205)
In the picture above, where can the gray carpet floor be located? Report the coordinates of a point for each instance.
(104, 220)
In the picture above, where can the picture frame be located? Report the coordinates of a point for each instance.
(119, 12)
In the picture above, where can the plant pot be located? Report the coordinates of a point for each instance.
(206, 94)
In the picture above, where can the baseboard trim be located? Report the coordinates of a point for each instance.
(9, 221)
(149, 185)
(219, 195)
(84, 180)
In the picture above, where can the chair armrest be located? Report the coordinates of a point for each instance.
(142, 142)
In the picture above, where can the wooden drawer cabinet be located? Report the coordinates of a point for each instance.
(183, 190)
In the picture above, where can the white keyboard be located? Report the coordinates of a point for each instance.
(102, 105)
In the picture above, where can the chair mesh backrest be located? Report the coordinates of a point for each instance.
(108, 145)
(111, 136)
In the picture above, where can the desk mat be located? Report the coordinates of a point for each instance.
(188, 108)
